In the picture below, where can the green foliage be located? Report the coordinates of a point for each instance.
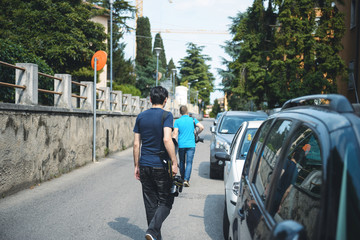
(215, 109)
(145, 76)
(13, 53)
(170, 67)
(59, 31)
(127, 89)
(158, 42)
(195, 71)
(283, 51)
(123, 70)
(62, 33)
(143, 42)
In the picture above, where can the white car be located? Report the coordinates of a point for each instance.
(234, 163)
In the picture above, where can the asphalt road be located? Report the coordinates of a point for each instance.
(103, 201)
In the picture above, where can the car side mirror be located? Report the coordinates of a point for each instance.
(222, 156)
(212, 129)
(288, 229)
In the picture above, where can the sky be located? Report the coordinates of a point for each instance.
(189, 16)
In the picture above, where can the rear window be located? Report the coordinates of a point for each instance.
(243, 150)
(230, 124)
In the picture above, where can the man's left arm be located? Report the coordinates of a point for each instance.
(175, 133)
(200, 126)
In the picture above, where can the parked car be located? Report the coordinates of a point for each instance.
(301, 178)
(234, 162)
(223, 133)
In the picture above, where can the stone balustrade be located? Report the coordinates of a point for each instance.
(107, 100)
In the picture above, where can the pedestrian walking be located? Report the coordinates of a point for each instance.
(184, 130)
(153, 134)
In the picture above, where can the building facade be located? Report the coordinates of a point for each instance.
(350, 53)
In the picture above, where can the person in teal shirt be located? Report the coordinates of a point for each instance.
(184, 130)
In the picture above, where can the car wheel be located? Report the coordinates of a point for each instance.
(213, 173)
(235, 231)
(226, 224)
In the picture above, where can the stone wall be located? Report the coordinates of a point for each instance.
(38, 143)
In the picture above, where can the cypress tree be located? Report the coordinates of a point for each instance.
(195, 71)
(143, 41)
(162, 56)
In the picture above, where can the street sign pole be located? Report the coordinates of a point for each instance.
(98, 62)
(94, 113)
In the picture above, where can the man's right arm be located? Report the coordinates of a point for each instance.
(136, 154)
(170, 148)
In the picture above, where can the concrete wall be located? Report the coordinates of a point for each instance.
(38, 143)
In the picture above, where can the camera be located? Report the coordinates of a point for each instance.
(177, 186)
(198, 138)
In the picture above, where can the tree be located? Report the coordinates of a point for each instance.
(195, 71)
(162, 56)
(143, 42)
(233, 77)
(60, 32)
(145, 76)
(170, 67)
(284, 51)
(123, 70)
(13, 53)
(215, 109)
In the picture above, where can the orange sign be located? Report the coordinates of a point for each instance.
(101, 57)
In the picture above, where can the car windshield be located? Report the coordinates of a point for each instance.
(230, 124)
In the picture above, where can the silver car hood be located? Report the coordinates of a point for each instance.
(227, 137)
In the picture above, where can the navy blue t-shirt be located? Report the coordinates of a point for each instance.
(148, 125)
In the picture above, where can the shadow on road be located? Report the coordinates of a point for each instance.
(123, 226)
(213, 209)
(204, 171)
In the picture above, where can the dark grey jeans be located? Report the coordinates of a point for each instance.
(156, 184)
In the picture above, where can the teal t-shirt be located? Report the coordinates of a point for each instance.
(185, 124)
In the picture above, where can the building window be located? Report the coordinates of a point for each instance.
(353, 14)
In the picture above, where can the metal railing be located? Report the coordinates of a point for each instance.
(27, 90)
(9, 84)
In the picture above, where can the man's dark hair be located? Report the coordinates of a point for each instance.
(158, 95)
(183, 110)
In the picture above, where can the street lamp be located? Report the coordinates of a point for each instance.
(157, 51)
(111, 51)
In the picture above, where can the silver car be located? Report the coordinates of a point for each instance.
(234, 163)
(223, 134)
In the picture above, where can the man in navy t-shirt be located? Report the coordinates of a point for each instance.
(153, 134)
